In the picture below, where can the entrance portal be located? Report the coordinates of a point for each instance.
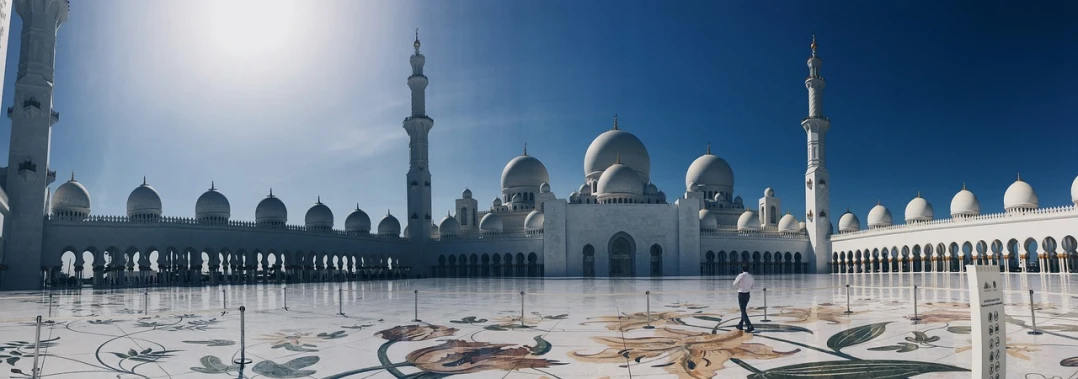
(622, 250)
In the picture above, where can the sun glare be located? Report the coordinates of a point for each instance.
(251, 29)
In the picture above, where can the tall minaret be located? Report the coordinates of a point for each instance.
(32, 116)
(418, 126)
(817, 181)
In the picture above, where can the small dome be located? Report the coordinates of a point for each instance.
(534, 221)
(517, 198)
(748, 221)
(848, 222)
(711, 171)
(357, 222)
(71, 197)
(620, 179)
(467, 194)
(717, 197)
(497, 202)
(879, 216)
(789, 224)
(651, 189)
(524, 171)
(544, 188)
(408, 231)
(271, 211)
(490, 223)
(801, 225)
(212, 205)
(389, 226)
(768, 192)
(611, 144)
(965, 204)
(1019, 196)
(319, 216)
(143, 201)
(1074, 191)
(662, 197)
(449, 226)
(708, 220)
(584, 189)
(918, 210)
(737, 200)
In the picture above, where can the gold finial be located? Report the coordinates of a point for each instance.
(387, 212)
(72, 176)
(212, 186)
(271, 192)
(525, 148)
(709, 148)
(877, 201)
(357, 206)
(319, 201)
(813, 45)
(617, 159)
(416, 44)
(963, 186)
(615, 121)
(144, 180)
(847, 209)
(918, 193)
(1019, 176)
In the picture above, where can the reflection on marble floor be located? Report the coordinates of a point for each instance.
(570, 328)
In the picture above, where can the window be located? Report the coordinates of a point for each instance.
(463, 216)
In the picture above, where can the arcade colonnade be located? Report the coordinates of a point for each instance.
(765, 263)
(1050, 254)
(113, 267)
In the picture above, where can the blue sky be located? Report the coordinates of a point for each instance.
(308, 100)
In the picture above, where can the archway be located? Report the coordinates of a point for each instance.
(589, 261)
(656, 260)
(622, 249)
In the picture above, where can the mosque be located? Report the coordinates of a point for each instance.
(616, 224)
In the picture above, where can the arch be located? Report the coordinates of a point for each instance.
(484, 261)
(1032, 262)
(797, 263)
(656, 260)
(533, 265)
(1051, 256)
(520, 264)
(588, 257)
(496, 264)
(1070, 248)
(622, 254)
(1013, 261)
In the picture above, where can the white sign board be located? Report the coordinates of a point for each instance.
(987, 315)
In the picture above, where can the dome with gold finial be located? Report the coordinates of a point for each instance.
(212, 206)
(611, 143)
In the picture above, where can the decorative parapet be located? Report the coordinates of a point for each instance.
(1034, 214)
(511, 234)
(231, 224)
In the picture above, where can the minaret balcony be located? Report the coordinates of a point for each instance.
(50, 177)
(816, 118)
(55, 116)
(418, 117)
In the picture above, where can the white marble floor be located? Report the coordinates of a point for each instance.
(570, 329)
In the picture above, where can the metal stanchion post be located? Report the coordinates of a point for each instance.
(224, 300)
(50, 305)
(416, 319)
(915, 318)
(242, 360)
(521, 308)
(340, 301)
(36, 372)
(146, 303)
(765, 319)
(284, 291)
(647, 294)
(1033, 315)
(848, 311)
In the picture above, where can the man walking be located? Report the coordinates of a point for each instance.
(743, 283)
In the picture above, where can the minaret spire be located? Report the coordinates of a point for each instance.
(418, 178)
(817, 190)
(708, 148)
(525, 148)
(144, 180)
(615, 121)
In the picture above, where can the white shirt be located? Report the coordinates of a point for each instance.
(743, 282)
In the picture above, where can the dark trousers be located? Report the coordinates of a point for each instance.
(743, 302)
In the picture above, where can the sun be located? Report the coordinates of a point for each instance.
(251, 29)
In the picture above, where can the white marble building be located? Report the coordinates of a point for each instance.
(617, 223)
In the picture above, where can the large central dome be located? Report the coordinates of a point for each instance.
(710, 171)
(524, 171)
(604, 150)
